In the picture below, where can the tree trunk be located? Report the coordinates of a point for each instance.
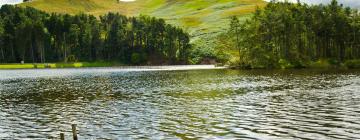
(32, 51)
(43, 54)
(12, 52)
(2, 54)
(238, 42)
(65, 49)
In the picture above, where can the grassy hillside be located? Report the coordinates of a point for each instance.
(198, 16)
(203, 19)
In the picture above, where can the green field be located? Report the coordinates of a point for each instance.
(57, 65)
(203, 19)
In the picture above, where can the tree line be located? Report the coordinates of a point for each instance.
(287, 34)
(34, 36)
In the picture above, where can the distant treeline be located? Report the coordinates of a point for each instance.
(33, 36)
(287, 34)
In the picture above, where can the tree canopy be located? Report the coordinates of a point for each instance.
(285, 34)
(30, 35)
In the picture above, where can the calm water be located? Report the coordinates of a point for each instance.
(194, 104)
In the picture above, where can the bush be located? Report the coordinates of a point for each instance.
(321, 63)
(135, 58)
(353, 64)
(233, 62)
(198, 53)
(284, 64)
(71, 59)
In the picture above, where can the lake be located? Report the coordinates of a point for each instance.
(111, 103)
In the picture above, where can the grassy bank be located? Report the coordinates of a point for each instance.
(319, 64)
(57, 65)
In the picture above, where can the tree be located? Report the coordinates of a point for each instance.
(284, 34)
(235, 30)
(59, 37)
(96, 41)
(2, 55)
(72, 40)
(40, 32)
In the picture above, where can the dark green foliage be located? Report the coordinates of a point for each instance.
(288, 35)
(353, 63)
(30, 35)
(135, 58)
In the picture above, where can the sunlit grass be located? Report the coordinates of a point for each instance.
(58, 65)
(16, 66)
(193, 15)
(191, 21)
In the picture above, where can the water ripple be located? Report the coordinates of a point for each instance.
(206, 104)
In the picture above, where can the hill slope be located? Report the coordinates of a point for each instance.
(197, 16)
(203, 19)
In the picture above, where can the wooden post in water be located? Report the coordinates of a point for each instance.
(62, 136)
(73, 126)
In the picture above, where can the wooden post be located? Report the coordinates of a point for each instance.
(62, 136)
(74, 131)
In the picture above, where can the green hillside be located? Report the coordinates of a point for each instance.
(203, 19)
(197, 16)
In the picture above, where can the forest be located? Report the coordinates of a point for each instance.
(34, 36)
(297, 35)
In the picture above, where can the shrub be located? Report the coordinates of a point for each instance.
(71, 59)
(321, 63)
(284, 64)
(353, 64)
(135, 58)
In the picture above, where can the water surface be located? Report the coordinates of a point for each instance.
(110, 103)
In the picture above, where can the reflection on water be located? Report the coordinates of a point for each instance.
(199, 104)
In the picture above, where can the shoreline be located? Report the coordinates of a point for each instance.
(167, 67)
(41, 66)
